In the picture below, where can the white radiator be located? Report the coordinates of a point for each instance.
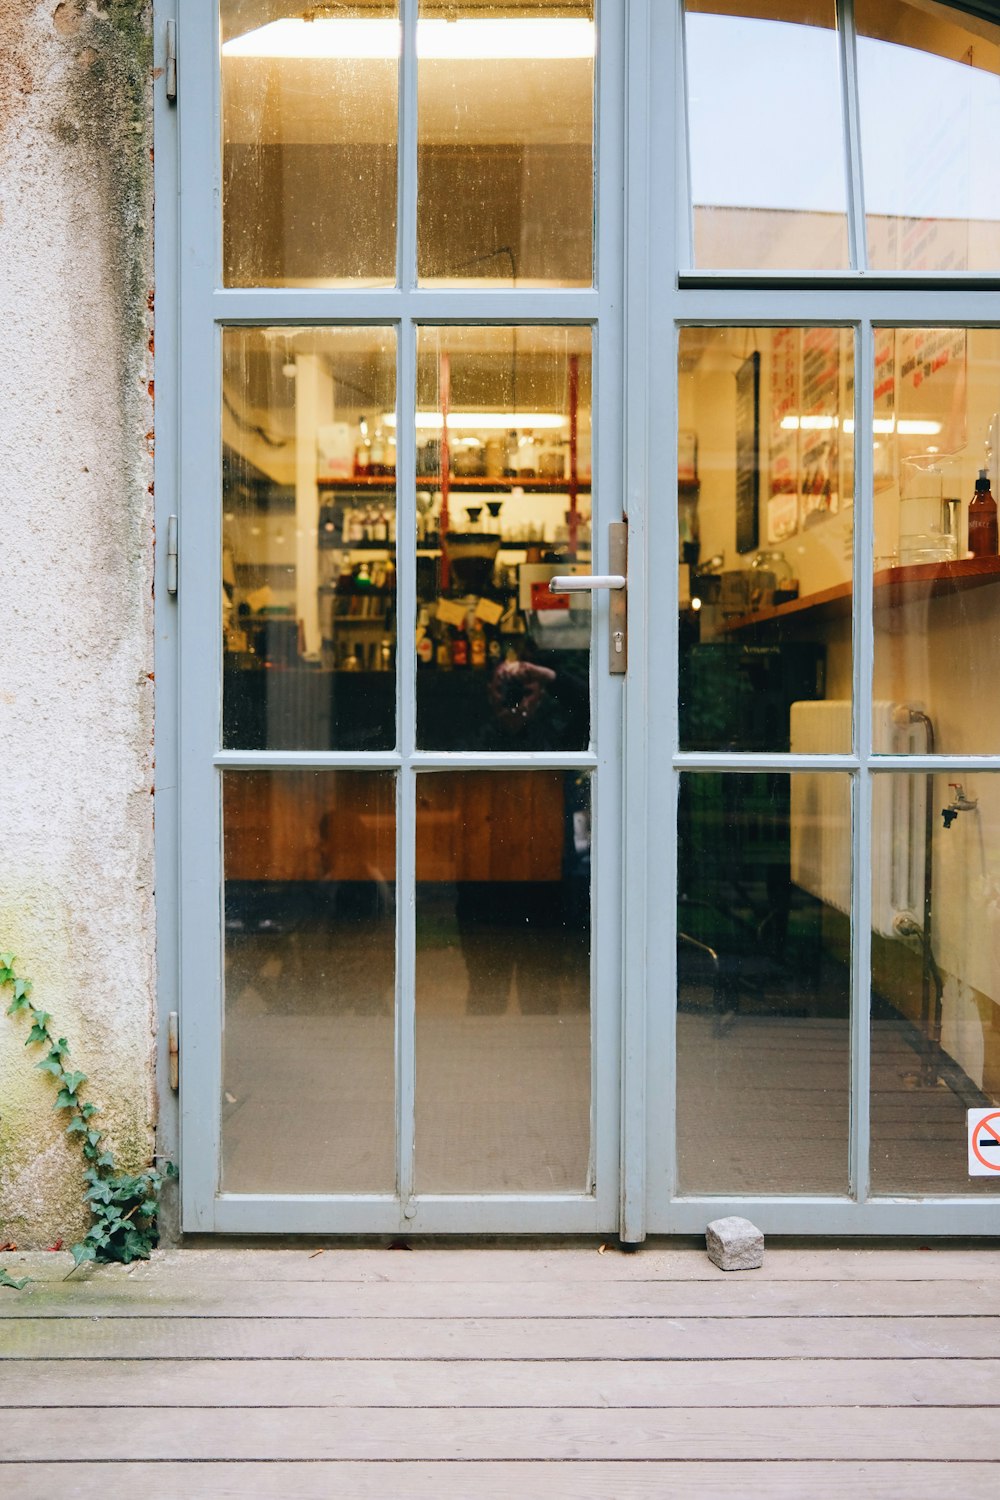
(820, 823)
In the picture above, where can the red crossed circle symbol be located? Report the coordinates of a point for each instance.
(991, 1124)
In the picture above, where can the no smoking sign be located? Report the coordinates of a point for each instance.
(984, 1142)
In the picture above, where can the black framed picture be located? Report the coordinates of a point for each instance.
(748, 454)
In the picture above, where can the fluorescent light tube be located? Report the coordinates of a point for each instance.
(515, 38)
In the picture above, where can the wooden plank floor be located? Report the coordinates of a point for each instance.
(554, 1373)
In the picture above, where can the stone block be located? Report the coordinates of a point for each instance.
(734, 1244)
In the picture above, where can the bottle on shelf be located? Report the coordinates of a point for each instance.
(983, 540)
(460, 647)
(477, 641)
(442, 646)
(362, 452)
(376, 457)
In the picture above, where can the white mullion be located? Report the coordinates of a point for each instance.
(306, 760)
(380, 305)
(606, 692)
(754, 760)
(200, 960)
(857, 231)
(406, 608)
(766, 303)
(683, 194)
(863, 635)
(407, 225)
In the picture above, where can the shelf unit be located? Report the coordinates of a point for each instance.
(892, 587)
(462, 484)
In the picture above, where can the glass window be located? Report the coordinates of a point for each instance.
(935, 971)
(929, 84)
(936, 562)
(309, 538)
(766, 135)
(503, 504)
(308, 1100)
(503, 982)
(506, 151)
(763, 956)
(765, 500)
(309, 127)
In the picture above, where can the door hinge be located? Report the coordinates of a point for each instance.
(170, 66)
(172, 555)
(173, 1052)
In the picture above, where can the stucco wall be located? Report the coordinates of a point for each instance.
(76, 552)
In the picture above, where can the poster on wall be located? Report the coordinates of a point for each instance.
(748, 453)
(819, 424)
(931, 392)
(783, 444)
(846, 414)
(885, 406)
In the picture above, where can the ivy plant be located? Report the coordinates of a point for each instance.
(123, 1205)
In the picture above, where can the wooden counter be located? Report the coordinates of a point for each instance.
(340, 825)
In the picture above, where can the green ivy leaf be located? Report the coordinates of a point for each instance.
(64, 1100)
(7, 960)
(22, 988)
(75, 1126)
(18, 1003)
(88, 1109)
(50, 1065)
(72, 1081)
(82, 1252)
(7, 1280)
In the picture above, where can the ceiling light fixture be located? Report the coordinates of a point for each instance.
(515, 38)
(485, 421)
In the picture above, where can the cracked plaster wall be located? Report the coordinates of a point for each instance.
(76, 554)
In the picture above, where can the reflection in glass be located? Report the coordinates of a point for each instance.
(505, 143)
(935, 970)
(309, 126)
(936, 576)
(308, 1075)
(503, 982)
(765, 498)
(503, 504)
(763, 1044)
(308, 538)
(929, 85)
(765, 134)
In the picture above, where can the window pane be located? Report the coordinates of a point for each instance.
(935, 978)
(309, 124)
(506, 153)
(503, 504)
(929, 85)
(503, 982)
(936, 566)
(308, 538)
(763, 954)
(766, 135)
(765, 500)
(308, 1075)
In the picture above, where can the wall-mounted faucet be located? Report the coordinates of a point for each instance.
(960, 803)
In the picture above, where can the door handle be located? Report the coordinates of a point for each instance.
(613, 583)
(579, 583)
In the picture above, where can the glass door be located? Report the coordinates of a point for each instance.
(822, 1009)
(401, 752)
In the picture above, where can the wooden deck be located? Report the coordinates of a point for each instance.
(550, 1373)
